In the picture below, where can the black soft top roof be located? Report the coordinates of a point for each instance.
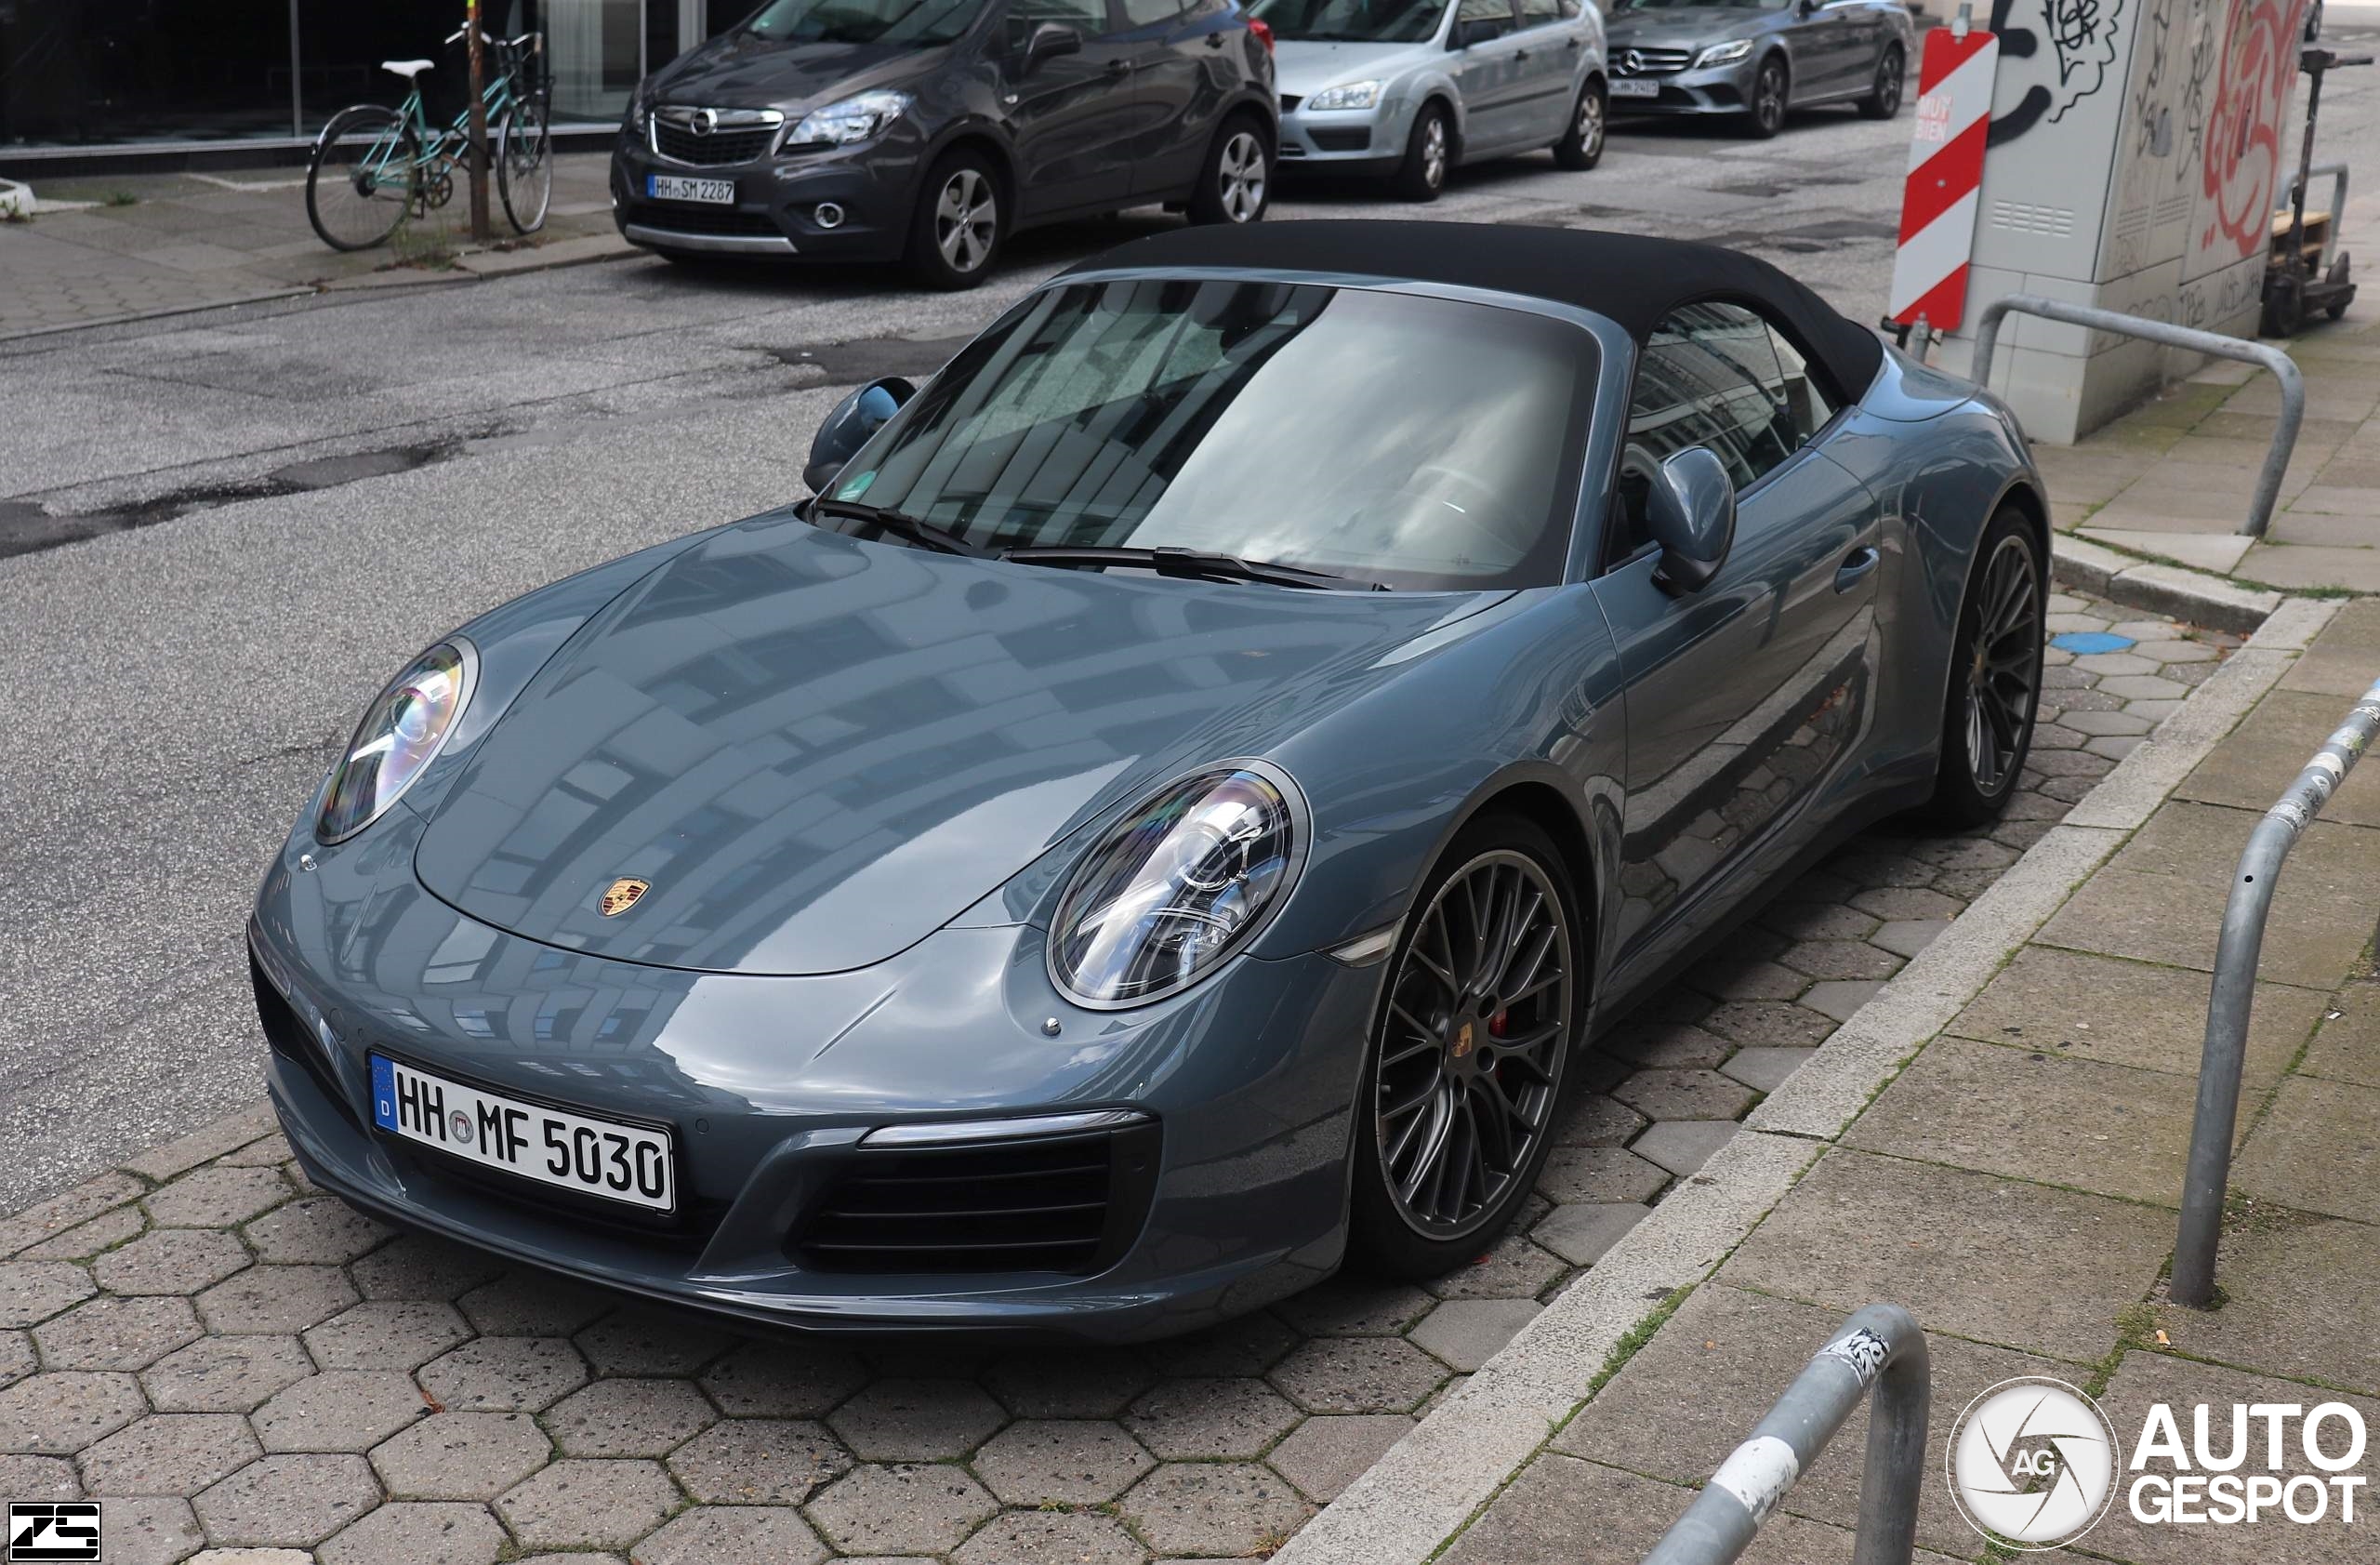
(1633, 280)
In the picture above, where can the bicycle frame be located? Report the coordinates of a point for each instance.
(443, 149)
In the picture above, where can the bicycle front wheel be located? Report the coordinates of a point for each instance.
(360, 182)
(524, 165)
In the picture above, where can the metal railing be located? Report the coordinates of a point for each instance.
(2165, 334)
(1881, 1347)
(2337, 175)
(2233, 994)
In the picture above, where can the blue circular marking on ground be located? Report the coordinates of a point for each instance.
(2087, 642)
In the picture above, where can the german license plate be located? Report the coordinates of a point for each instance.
(674, 187)
(1623, 87)
(595, 1157)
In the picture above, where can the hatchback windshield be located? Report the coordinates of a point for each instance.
(1353, 22)
(863, 22)
(1391, 438)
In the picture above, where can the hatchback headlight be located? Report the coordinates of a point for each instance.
(1722, 54)
(854, 119)
(400, 735)
(1172, 887)
(1347, 94)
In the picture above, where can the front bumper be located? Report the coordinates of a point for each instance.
(1715, 90)
(1350, 141)
(775, 211)
(767, 1086)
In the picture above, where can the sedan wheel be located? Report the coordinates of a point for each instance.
(1469, 1053)
(1581, 145)
(1767, 112)
(1883, 99)
(1995, 677)
(1429, 151)
(1238, 180)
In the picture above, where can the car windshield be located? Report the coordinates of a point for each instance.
(1351, 21)
(1411, 442)
(863, 22)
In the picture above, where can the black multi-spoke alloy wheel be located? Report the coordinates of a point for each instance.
(1995, 676)
(959, 223)
(360, 182)
(1766, 115)
(1479, 1011)
(1429, 152)
(1883, 99)
(1582, 143)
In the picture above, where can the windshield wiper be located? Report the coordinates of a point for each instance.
(1198, 564)
(916, 529)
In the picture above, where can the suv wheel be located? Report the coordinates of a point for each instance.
(1237, 180)
(958, 225)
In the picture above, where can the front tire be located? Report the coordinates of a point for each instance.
(1766, 115)
(1478, 1013)
(1883, 97)
(959, 223)
(1995, 676)
(1236, 183)
(1581, 145)
(1429, 152)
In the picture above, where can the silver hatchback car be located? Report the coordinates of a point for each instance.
(1409, 88)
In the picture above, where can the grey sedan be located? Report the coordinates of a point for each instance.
(1409, 88)
(1758, 60)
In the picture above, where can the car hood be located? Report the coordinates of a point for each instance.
(816, 751)
(1303, 69)
(1682, 28)
(741, 71)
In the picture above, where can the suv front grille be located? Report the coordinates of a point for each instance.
(714, 138)
(1068, 1203)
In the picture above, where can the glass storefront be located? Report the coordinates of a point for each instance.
(91, 74)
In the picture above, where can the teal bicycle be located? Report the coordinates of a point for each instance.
(374, 167)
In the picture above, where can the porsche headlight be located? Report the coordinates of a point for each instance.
(1172, 887)
(1347, 94)
(854, 119)
(401, 734)
(1722, 54)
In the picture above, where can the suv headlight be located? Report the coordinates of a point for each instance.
(1173, 887)
(1347, 94)
(854, 119)
(1721, 54)
(400, 735)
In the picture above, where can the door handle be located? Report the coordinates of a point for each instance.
(1118, 67)
(1214, 40)
(1520, 54)
(1855, 565)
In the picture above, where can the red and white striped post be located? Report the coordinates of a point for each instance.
(1938, 203)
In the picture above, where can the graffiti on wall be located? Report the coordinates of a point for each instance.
(2254, 70)
(2084, 38)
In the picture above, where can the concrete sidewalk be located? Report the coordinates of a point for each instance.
(2015, 1186)
(108, 247)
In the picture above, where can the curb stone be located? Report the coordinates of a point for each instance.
(2195, 596)
(1421, 1496)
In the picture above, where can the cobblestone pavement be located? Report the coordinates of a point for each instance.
(233, 1361)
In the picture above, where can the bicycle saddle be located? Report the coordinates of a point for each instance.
(408, 69)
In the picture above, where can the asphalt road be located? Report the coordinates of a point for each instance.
(285, 502)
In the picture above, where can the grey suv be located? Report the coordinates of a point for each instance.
(1757, 60)
(929, 130)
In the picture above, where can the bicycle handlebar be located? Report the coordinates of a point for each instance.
(526, 38)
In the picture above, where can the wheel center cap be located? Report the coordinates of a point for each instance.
(1466, 1038)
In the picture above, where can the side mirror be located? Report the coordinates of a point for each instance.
(1691, 513)
(1458, 37)
(848, 428)
(1049, 41)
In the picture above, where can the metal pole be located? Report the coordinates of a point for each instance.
(2165, 334)
(2231, 998)
(1881, 1347)
(475, 43)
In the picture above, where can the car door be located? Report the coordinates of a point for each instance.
(1487, 69)
(1073, 112)
(1743, 698)
(1174, 66)
(1548, 56)
(1825, 43)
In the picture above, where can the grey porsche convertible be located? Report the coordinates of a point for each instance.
(1164, 819)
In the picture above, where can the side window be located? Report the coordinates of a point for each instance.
(1539, 13)
(1718, 376)
(1483, 19)
(1148, 13)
